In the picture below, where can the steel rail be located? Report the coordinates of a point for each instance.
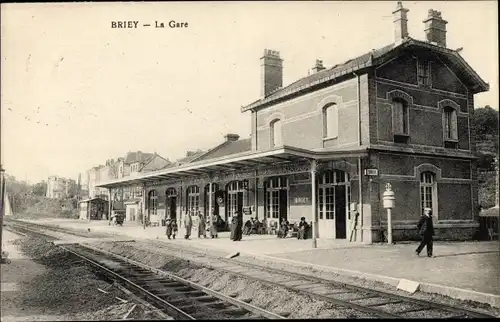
(171, 309)
(236, 302)
(425, 303)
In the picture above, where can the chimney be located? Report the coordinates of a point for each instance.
(231, 137)
(318, 66)
(435, 28)
(271, 72)
(400, 23)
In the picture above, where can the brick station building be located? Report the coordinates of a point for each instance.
(330, 142)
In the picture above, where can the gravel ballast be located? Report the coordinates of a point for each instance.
(67, 288)
(158, 254)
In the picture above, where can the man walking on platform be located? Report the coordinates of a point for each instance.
(201, 226)
(188, 224)
(426, 227)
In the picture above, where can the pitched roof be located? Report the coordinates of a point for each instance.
(228, 148)
(156, 162)
(138, 156)
(372, 58)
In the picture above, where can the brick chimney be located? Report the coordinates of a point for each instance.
(435, 28)
(318, 66)
(271, 72)
(400, 23)
(231, 137)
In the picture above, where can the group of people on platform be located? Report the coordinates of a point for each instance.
(286, 229)
(172, 228)
(237, 228)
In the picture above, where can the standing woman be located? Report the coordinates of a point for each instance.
(201, 226)
(188, 223)
(169, 228)
(239, 227)
(214, 225)
(234, 224)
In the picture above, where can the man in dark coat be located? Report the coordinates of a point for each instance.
(426, 227)
(302, 228)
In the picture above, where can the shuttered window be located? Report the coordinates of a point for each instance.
(450, 124)
(330, 121)
(400, 117)
(276, 133)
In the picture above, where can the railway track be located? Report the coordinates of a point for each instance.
(374, 302)
(173, 295)
(371, 302)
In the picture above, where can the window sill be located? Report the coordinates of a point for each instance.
(330, 138)
(451, 140)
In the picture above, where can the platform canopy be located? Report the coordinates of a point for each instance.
(236, 162)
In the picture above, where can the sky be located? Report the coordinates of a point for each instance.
(76, 92)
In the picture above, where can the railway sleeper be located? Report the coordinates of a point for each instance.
(234, 311)
(384, 303)
(194, 292)
(415, 309)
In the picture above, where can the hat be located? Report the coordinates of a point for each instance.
(302, 218)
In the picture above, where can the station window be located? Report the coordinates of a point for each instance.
(153, 202)
(400, 120)
(326, 192)
(424, 75)
(193, 200)
(428, 191)
(450, 124)
(330, 121)
(276, 133)
(233, 188)
(276, 197)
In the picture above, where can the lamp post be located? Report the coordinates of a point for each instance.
(389, 202)
(2, 205)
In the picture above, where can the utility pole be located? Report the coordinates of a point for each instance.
(2, 207)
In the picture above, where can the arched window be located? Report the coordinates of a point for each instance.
(276, 197)
(330, 121)
(233, 188)
(153, 202)
(450, 123)
(276, 133)
(428, 192)
(326, 193)
(193, 200)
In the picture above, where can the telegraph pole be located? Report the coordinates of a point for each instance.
(2, 207)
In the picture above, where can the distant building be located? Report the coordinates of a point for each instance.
(131, 165)
(58, 188)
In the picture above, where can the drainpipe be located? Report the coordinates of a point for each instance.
(360, 182)
(359, 107)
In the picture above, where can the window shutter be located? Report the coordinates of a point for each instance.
(397, 117)
(454, 125)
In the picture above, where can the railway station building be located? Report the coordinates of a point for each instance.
(325, 146)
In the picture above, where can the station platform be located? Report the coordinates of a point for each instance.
(465, 270)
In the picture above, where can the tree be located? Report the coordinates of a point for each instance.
(40, 189)
(485, 122)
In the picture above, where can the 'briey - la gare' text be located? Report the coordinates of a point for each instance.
(133, 24)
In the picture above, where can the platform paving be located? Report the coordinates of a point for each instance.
(457, 267)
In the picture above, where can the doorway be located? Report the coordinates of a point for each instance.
(340, 211)
(283, 205)
(333, 199)
(172, 208)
